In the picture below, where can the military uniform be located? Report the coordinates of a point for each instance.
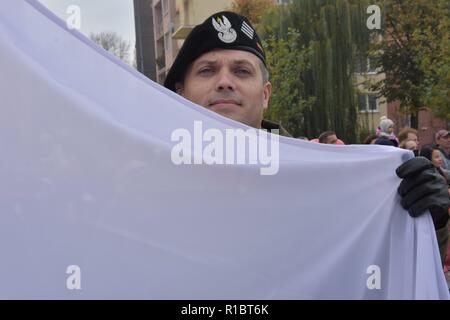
(269, 126)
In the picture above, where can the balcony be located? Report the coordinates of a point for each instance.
(182, 32)
(161, 75)
(161, 62)
(159, 30)
(158, 19)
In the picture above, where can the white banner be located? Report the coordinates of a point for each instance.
(93, 205)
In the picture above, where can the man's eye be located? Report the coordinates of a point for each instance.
(205, 71)
(242, 72)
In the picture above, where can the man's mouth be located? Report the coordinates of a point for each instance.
(224, 103)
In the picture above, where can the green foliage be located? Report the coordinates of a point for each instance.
(331, 33)
(416, 55)
(275, 22)
(287, 62)
(252, 9)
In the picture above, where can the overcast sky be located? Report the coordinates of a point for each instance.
(100, 15)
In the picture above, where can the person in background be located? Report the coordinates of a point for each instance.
(328, 137)
(370, 139)
(408, 134)
(385, 141)
(447, 265)
(433, 153)
(409, 144)
(386, 129)
(442, 139)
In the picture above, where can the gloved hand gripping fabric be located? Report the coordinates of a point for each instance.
(424, 188)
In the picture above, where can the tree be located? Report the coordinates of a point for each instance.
(112, 42)
(287, 63)
(335, 33)
(275, 21)
(415, 56)
(434, 60)
(252, 9)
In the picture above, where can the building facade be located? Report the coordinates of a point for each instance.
(145, 53)
(370, 107)
(173, 20)
(428, 124)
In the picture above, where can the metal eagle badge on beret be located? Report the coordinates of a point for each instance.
(226, 33)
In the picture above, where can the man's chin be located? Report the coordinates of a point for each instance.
(233, 114)
(239, 118)
(229, 112)
(225, 108)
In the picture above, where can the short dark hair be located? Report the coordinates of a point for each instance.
(264, 72)
(324, 136)
(370, 138)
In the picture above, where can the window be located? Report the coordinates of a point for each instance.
(368, 67)
(165, 6)
(167, 42)
(186, 12)
(367, 103)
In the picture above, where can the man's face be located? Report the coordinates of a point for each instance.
(332, 139)
(444, 142)
(229, 82)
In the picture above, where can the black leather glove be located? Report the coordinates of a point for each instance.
(424, 188)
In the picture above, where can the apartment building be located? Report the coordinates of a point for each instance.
(145, 53)
(173, 20)
(370, 107)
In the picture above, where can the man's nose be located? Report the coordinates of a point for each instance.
(225, 81)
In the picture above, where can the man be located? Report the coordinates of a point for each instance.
(442, 139)
(408, 134)
(221, 66)
(328, 137)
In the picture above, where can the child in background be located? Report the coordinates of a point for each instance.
(386, 129)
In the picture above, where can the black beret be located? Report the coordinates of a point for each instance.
(222, 30)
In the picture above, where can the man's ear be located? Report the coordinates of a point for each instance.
(179, 88)
(267, 91)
